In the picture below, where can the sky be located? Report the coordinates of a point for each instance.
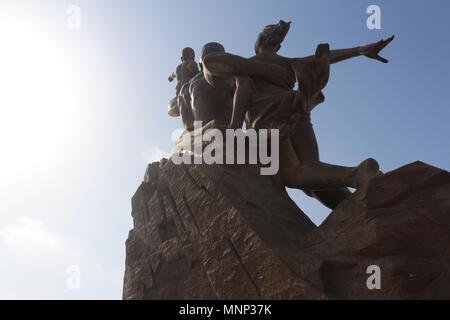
(82, 111)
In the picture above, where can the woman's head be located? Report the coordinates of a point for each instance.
(271, 37)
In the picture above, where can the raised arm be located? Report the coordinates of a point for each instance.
(172, 77)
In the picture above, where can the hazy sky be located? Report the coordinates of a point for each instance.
(83, 111)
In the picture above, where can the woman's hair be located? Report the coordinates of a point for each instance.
(272, 35)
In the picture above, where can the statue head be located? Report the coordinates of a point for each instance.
(271, 37)
(208, 48)
(187, 54)
(211, 47)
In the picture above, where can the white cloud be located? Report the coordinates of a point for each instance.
(36, 264)
(176, 134)
(31, 237)
(155, 154)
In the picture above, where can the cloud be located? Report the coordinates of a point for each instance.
(31, 237)
(155, 154)
(176, 134)
(38, 263)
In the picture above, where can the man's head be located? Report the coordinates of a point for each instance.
(187, 54)
(212, 47)
(208, 48)
(271, 37)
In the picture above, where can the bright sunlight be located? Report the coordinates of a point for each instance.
(39, 100)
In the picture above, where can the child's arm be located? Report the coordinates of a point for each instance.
(172, 76)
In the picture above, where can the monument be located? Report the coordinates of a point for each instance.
(218, 230)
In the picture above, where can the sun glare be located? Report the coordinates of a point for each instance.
(39, 99)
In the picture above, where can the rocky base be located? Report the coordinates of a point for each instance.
(226, 232)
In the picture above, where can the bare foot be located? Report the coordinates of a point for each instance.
(367, 170)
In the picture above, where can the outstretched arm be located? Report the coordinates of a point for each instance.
(371, 51)
(344, 54)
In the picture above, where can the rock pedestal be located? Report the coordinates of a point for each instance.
(226, 232)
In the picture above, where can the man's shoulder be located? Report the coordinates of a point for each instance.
(198, 80)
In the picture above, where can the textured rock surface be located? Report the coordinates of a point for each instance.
(226, 232)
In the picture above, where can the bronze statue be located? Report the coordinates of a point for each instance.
(211, 100)
(269, 105)
(260, 90)
(184, 73)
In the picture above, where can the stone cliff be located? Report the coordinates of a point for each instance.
(226, 232)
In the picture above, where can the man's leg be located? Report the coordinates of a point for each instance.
(309, 150)
(316, 175)
(305, 144)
